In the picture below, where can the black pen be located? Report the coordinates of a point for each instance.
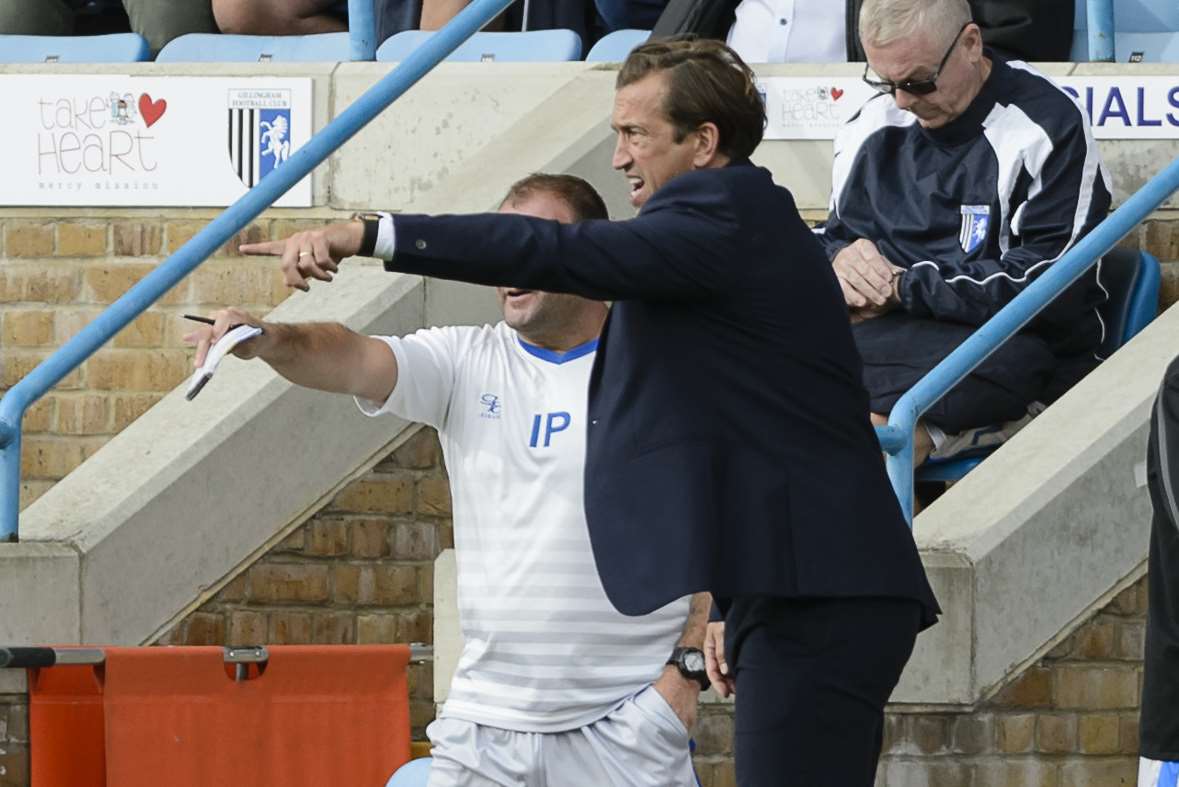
(210, 321)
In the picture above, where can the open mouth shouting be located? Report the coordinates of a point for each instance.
(636, 185)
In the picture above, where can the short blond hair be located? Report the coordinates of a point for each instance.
(885, 21)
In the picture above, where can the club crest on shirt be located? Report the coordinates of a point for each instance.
(976, 220)
(490, 406)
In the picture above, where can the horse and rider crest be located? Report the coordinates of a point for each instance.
(259, 132)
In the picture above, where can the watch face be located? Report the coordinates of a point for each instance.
(694, 661)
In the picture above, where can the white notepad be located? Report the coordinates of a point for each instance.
(217, 352)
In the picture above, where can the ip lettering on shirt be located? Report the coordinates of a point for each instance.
(552, 424)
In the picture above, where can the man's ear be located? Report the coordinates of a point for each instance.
(707, 144)
(974, 42)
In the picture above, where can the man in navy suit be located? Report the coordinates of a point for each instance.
(729, 448)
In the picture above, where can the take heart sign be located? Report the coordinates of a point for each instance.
(93, 140)
(814, 107)
(151, 111)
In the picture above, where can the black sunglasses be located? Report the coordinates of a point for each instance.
(916, 87)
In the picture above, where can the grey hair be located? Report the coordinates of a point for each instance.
(885, 21)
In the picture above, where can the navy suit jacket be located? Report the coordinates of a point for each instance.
(729, 447)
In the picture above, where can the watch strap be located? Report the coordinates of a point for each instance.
(678, 661)
(372, 225)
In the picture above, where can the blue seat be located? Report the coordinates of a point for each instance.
(1132, 280)
(544, 46)
(1144, 27)
(113, 48)
(415, 773)
(221, 48)
(1146, 47)
(614, 48)
(1132, 47)
(1135, 16)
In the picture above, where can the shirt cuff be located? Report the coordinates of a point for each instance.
(386, 238)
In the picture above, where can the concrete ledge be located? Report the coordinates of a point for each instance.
(1045, 529)
(39, 594)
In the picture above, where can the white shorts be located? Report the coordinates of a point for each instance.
(641, 743)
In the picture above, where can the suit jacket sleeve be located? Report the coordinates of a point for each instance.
(684, 245)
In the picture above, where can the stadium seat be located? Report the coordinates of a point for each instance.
(1132, 279)
(114, 48)
(1135, 16)
(527, 47)
(1131, 47)
(1146, 47)
(221, 48)
(415, 773)
(614, 48)
(1146, 30)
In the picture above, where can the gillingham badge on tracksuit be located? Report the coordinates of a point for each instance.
(544, 650)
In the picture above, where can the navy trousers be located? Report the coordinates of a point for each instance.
(813, 676)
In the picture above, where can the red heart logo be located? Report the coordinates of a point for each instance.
(151, 111)
(836, 93)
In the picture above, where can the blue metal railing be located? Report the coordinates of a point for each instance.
(362, 29)
(132, 303)
(1100, 16)
(897, 437)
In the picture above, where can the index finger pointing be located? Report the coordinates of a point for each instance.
(272, 248)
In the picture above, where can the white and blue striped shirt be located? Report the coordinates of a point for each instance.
(544, 650)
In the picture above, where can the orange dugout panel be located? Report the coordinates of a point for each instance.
(305, 715)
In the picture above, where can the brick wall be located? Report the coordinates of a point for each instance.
(14, 740)
(56, 276)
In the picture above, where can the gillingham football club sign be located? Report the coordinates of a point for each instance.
(259, 132)
(158, 141)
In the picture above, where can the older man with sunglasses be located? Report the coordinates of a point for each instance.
(953, 189)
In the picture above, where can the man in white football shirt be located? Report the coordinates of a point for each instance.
(554, 686)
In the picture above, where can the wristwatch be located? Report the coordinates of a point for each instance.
(372, 224)
(690, 663)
